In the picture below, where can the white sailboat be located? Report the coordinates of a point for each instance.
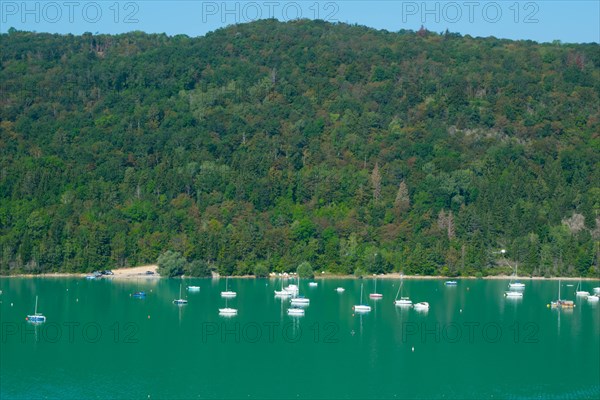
(298, 300)
(375, 295)
(513, 294)
(402, 301)
(579, 292)
(36, 318)
(516, 285)
(227, 310)
(227, 292)
(292, 289)
(294, 311)
(283, 292)
(180, 300)
(361, 307)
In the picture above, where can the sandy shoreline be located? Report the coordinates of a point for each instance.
(136, 272)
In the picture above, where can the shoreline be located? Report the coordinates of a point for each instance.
(140, 271)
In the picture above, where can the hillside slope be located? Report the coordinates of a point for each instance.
(278, 143)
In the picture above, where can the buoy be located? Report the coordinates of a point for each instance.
(461, 310)
(413, 349)
(148, 317)
(11, 304)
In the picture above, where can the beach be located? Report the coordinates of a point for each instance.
(139, 271)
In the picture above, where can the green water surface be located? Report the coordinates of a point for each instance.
(473, 343)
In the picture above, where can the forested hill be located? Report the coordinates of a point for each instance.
(274, 143)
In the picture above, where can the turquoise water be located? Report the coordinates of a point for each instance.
(99, 342)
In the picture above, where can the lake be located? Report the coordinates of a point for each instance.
(473, 343)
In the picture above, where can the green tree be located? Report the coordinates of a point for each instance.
(305, 270)
(171, 264)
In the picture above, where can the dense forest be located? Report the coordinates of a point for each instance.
(267, 145)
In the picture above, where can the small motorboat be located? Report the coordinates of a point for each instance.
(340, 290)
(450, 283)
(139, 295)
(313, 284)
(421, 306)
(193, 288)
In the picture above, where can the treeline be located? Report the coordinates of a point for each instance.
(275, 144)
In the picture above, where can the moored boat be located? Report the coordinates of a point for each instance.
(180, 301)
(375, 295)
(513, 294)
(361, 308)
(36, 317)
(295, 311)
(402, 301)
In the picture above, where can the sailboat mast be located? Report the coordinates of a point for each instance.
(559, 289)
(399, 288)
(36, 301)
(361, 290)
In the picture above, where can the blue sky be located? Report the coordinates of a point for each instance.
(543, 21)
